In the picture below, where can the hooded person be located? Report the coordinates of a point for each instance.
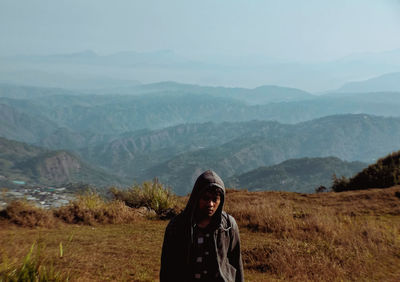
(202, 243)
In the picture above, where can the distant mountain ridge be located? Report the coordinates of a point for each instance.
(135, 152)
(256, 96)
(385, 82)
(127, 58)
(297, 175)
(164, 130)
(88, 70)
(230, 148)
(18, 125)
(89, 115)
(349, 137)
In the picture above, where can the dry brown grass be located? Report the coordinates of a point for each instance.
(23, 213)
(92, 209)
(346, 236)
(87, 209)
(113, 252)
(285, 236)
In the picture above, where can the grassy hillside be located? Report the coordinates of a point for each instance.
(34, 165)
(349, 236)
(298, 175)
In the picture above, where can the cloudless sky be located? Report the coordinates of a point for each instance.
(300, 30)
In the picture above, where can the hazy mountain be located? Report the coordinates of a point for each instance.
(387, 82)
(349, 137)
(59, 79)
(84, 70)
(297, 175)
(87, 69)
(23, 120)
(116, 114)
(31, 92)
(260, 95)
(391, 57)
(104, 129)
(380, 100)
(34, 165)
(89, 57)
(17, 125)
(133, 153)
(64, 138)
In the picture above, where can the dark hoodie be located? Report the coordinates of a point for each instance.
(178, 238)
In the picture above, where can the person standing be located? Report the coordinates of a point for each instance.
(202, 243)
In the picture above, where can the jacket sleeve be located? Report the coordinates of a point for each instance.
(235, 256)
(167, 260)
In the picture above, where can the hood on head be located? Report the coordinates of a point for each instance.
(207, 180)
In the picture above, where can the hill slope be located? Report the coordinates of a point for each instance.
(34, 165)
(386, 82)
(260, 95)
(348, 137)
(18, 125)
(133, 153)
(296, 175)
(116, 114)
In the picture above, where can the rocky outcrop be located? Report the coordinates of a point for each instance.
(59, 168)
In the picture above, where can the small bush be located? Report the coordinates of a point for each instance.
(321, 189)
(31, 269)
(90, 208)
(152, 195)
(339, 184)
(26, 214)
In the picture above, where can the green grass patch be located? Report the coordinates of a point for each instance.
(32, 268)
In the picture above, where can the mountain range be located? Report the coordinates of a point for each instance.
(296, 175)
(39, 166)
(88, 70)
(349, 137)
(174, 131)
(89, 114)
(388, 82)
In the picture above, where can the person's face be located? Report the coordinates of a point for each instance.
(208, 204)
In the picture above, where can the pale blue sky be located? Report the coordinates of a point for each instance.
(300, 30)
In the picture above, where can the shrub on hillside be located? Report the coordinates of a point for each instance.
(152, 195)
(26, 214)
(90, 208)
(384, 173)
